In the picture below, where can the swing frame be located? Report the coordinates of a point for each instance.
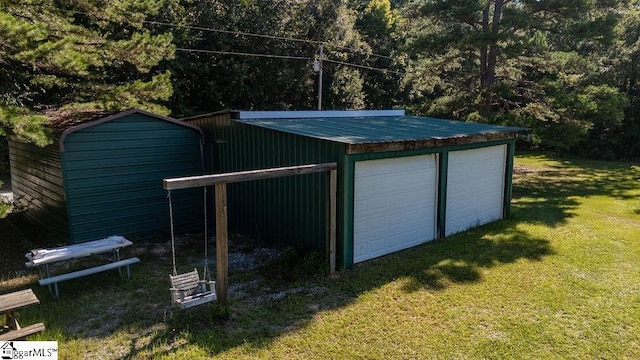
(220, 181)
(188, 289)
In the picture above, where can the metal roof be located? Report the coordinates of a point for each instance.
(73, 127)
(375, 129)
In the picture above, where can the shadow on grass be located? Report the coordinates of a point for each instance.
(98, 306)
(255, 322)
(469, 254)
(548, 195)
(458, 259)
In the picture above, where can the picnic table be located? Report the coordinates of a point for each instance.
(9, 304)
(45, 257)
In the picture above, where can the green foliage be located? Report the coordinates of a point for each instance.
(350, 31)
(546, 65)
(24, 124)
(78, 55)
(346, 89)
(567, 70)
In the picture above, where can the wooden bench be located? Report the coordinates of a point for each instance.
(9, 304)
(188, 290)
(22, 333)
(54, 280)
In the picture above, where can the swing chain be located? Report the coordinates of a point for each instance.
(206, 274)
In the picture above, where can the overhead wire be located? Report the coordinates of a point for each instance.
(361, 51)
(231, 32)
(267, 36)
(244, 54)
(290, 58)
(364, 67)
(272, 37)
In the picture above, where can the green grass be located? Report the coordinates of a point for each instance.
(559, 280)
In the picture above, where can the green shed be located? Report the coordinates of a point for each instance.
(402, 180)
(103, 176)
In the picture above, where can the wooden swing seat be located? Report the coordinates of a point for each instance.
(188, 290)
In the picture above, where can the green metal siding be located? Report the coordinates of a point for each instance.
(289, 210)
(36, 178)
(508, 181)
(113, 174)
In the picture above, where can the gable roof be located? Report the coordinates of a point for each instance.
(101, 120)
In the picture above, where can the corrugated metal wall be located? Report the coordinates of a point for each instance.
(113, 178)
(289, 210)
(36, 178)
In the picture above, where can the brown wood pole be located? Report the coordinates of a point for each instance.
(222, 248)
(333, 185)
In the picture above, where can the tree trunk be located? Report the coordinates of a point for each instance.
(484, 46)
(489, 54)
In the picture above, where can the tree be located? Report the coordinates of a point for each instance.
(622, 71)
(78, 55)
(378, 22)
(508, 61)
(219, 65)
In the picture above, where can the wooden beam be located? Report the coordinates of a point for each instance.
(222, 248)
(207, 180)
(333, 196)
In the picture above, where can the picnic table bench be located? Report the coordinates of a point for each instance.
(9, 304)
(46, 257)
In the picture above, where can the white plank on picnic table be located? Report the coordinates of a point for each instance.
(45, 256)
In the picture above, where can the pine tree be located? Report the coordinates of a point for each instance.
(525, 62)
(78, 56)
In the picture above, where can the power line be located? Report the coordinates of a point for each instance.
(265, 36)
(289, 58)
(364, 67)
(362, 52)
(248, 34)
(244, 54)
(241, 33)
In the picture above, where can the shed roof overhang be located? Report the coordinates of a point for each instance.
(427, 143)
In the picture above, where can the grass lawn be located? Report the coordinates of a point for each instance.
(559, 280)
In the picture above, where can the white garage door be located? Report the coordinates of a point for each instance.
(394, 204)
(475, 187)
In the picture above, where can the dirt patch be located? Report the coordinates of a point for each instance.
(244, 252)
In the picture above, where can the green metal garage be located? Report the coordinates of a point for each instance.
(402, 180)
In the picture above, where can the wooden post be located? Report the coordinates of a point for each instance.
(333, 196)
(222, 248)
